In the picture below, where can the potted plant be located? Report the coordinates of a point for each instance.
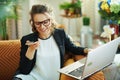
(77, 7)
(65, 6)
(71, 8)
(7, 10)
(86, 21)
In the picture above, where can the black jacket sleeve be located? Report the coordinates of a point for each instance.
(26, 65)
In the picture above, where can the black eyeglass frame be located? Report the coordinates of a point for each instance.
(45, 23)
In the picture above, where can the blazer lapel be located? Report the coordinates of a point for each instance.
(59, 41)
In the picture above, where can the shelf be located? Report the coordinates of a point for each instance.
(72, 16)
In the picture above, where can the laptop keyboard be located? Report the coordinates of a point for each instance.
(77, 72)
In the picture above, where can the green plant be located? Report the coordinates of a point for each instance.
(3, 34)
(7, 10)
(76, 5)
(65, 5)
(86, 21)
(71, 8)
(109, 10)
(68, 5)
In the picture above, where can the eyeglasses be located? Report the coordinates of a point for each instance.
(45, 23)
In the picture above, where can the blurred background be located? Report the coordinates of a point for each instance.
(14, 17)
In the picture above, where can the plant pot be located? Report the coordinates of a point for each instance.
(66, 11)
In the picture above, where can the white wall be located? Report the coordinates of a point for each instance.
(26, 28)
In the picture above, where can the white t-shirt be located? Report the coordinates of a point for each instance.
(47, 60)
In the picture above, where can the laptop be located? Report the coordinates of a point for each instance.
(96, 60)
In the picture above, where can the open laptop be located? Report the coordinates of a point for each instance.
(96, 60)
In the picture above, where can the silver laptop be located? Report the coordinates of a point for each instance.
(96, 60)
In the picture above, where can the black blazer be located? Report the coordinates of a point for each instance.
(62, 41)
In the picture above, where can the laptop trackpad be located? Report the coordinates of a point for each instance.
(78, 71)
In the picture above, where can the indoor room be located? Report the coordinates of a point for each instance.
(87, 23)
